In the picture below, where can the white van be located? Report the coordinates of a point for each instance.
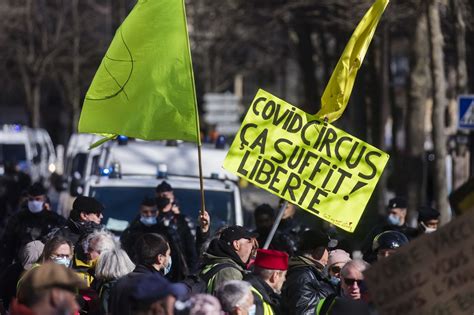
(130, 172)
(16, 146)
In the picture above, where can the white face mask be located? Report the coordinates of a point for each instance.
(252, 309)
(35, 206)
(168, 267)
(427, 229)
(394, 220)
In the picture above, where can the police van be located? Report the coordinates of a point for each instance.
(129, 170)
(31, 150)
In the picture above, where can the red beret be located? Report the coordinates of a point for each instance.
(271, 259)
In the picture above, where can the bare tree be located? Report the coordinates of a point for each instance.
(438, 90)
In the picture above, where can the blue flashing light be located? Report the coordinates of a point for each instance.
(105, 171)
(17, 127)
(122, 140)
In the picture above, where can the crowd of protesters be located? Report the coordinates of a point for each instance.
(163, 264)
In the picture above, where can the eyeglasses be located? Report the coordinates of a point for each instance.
(335, 269)
(350, 282)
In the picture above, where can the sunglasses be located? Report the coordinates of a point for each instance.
(335, 269)
(350, 282)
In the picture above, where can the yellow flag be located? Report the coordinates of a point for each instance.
(337, 92)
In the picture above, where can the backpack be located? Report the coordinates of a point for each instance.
(197, 283)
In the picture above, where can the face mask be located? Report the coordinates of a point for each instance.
(252, 309)
(427, 229)
(394, 220)
(62, 261)
(167, 267)
(35, 206)
(148, 221)
(334, 280)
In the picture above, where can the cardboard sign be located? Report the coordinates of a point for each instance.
(306, 161)
(432, 275)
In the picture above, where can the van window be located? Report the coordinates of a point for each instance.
(12, 152)
(122, 203)
(79, 164)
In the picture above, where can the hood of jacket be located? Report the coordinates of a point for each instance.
(303, 261)
(219, 252)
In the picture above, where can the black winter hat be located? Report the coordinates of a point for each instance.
(87, 205)
(397, 202)
(263, 209)
(37, 189)
(163, 187)
(427, 213)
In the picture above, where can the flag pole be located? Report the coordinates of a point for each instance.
(275, 225)
(201, 180)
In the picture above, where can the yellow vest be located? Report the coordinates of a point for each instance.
(267, 309)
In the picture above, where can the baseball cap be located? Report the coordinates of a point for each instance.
(149, 288)
(87, 205)
(312, 239)
(47, 276)
(236, 232)
(271, 259)
(397, 202)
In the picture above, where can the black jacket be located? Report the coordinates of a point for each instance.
(119, 300)
(268, 295)
(25, 227)
(180, 238)
(304, 287)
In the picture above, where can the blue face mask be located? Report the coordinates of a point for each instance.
(168, 267)
(148, 221)
(334, 280)
(394, 220)
(62, 261)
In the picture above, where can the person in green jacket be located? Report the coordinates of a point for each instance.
(233, 249)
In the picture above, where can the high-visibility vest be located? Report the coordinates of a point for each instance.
(267, 309)
(325, 305)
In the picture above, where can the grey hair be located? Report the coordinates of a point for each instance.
(104, 241)
(357, 264)
(233, 293)
(113, 264)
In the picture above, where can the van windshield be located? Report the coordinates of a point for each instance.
(122, 203)
(12, 152)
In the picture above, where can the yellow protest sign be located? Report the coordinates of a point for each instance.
(306, 161)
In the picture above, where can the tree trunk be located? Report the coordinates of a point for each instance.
(418, 94)
(460, 156)
(76, 66)
(439, 104)
(36, 103)
(305, 50)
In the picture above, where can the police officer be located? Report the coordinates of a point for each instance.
(32, 223)
(386, 243)
(267, 278)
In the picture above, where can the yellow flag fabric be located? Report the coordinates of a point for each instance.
(337, 92)
(144, 87)
(306, 161)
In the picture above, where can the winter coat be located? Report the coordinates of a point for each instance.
(25, 227)
(219, 252)
(304, 287)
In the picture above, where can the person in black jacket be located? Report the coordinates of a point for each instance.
(30, 224)
(267, 278)
(183, 245)
(153, 257)
(305, 283)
